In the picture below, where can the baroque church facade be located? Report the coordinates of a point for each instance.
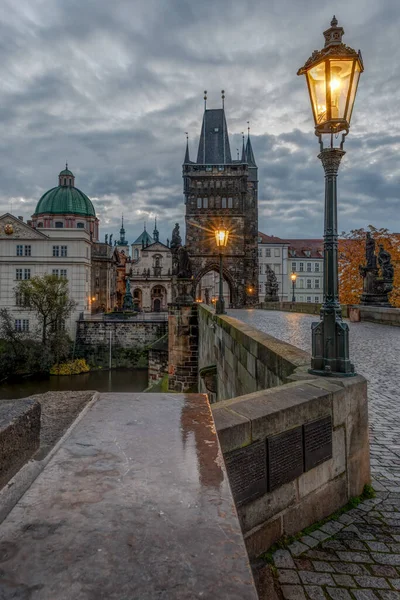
(221, 191)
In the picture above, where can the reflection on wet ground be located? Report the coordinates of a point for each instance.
(135, 504)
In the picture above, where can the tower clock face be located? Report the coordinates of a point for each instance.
(8, 229)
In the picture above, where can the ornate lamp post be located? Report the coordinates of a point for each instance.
(221, 238)
(332, 77)
(293, 277)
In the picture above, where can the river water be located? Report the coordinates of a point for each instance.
(103, 381)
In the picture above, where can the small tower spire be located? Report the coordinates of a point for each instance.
(244, 158)
(156, 234)
(122, 241)
(187, 157)
(223, 98)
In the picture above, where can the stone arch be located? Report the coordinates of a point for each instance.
(214, 266)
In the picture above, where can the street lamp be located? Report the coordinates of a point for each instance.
(332, 77)
(221, 238)
(293, 277)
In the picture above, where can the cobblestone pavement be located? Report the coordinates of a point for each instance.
(356, 557)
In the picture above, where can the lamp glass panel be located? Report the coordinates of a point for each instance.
(316, 82)
(221, 237)
(353, 91)
(340, 76)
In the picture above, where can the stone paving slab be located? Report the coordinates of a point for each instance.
(134, 505)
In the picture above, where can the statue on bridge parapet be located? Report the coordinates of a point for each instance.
(377, 281)
(271, 286)
(128, 298)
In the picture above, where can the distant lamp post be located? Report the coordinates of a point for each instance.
(332, 77)
(293, 277)
(221, 238)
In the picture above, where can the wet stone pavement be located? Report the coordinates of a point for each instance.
(357, 556)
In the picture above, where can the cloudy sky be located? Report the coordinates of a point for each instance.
(112, 87)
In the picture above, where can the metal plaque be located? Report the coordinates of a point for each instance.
(285, 457)
(317, 442)
(247, 472)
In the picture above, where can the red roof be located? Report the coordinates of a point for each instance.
(270, 239)
(300, 246)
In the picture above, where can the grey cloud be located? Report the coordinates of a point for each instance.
(112, 87)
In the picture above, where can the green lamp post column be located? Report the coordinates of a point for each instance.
(221, 238)
(332, 78)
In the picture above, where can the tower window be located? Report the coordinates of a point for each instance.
(65, 181)
(230, 202)
(223, 202)
(198, 202)
(80, 225)
(205, 202)
(59, 224)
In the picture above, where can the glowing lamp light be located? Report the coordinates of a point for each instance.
(293, 277)
(221, 236)
(332, 78)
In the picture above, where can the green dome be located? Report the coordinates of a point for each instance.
(66, 172)
(63, 200)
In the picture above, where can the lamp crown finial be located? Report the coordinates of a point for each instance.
(333, 35)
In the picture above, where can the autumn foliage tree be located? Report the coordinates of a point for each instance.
(352, 254)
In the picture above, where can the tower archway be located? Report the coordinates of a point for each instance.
(207, 285)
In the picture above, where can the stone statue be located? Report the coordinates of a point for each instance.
(176, 240)
(207, 296)
(384, 260)
(271, 286)
(111, 237)
(106, 238)
(377, 282)
(370, 251)
(184, 264)
(128, 299)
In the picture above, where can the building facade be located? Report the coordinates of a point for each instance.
(57, 241)
(304, 257)
(219, 190)
(26, 252)
(150, 273)
(104, 265)
(273, 252)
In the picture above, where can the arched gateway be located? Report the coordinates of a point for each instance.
(207, 288)
(218, 189)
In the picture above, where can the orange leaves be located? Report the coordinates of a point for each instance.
(352, 254)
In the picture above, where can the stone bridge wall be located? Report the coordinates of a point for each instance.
(296, 446)
(125, 334)
(247, 360)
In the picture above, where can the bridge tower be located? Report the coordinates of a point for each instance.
(218, 188)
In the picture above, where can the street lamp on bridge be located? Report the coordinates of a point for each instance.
(221, 238)
(293, 277)
(332, 77)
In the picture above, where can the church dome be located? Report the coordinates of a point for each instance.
(65, 199)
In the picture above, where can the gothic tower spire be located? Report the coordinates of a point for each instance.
(214, 148)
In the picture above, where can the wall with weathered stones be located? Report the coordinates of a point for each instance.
(158, 360)
(300, 307)
(125, 334)
(247, 360)
(379, 314)
(19, 435)
(271, 441)
(296, 446)
(183, 347)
